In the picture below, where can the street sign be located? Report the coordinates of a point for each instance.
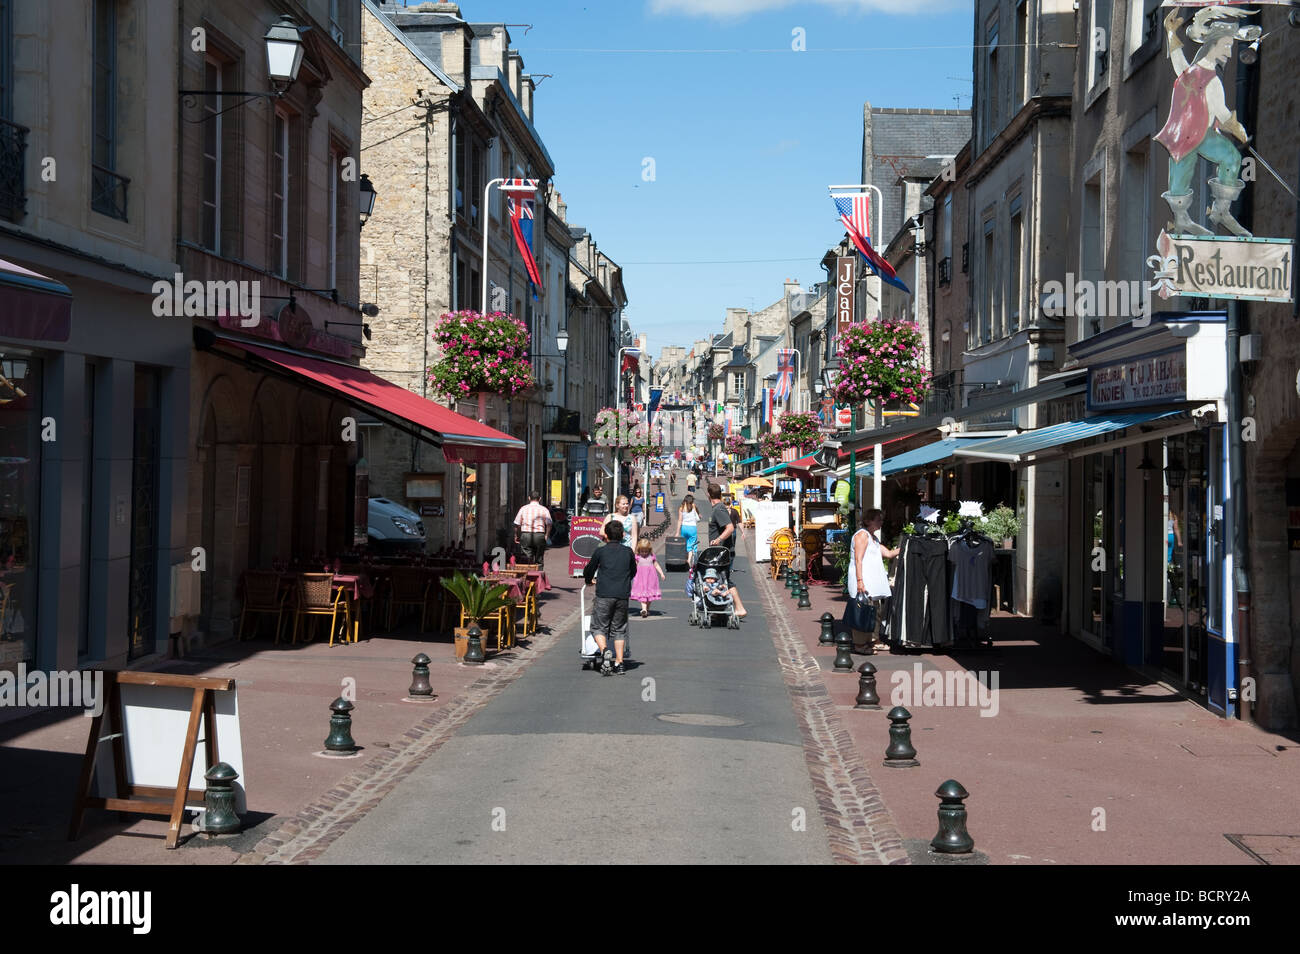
(844, 418)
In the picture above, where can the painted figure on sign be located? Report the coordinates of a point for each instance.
(1199, 117)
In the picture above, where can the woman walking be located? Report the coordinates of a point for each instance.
(645, 585)
(867, 577)
(688, 527)
(630, 521)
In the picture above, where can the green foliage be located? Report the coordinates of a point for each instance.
(1002, 523)
(477, 597)
(881, 362)
(480, 352)
(800, 430)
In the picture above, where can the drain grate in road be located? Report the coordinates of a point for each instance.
(697, 718)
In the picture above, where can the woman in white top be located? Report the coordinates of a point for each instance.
(688, 521)
(623, 514)
(867, 577)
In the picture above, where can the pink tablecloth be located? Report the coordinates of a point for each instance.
(514, 588)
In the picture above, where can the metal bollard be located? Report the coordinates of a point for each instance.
(340, 737)
(219, 816)
(843, 652)
(867, 698)
(827, 636)
(789, 577)
(804, 602)
(953, 838)
(474, 647)
(420, 678)
(900, 753)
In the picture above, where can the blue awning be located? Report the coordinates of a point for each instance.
(750, 460)
(1013, 450)
(921, 456)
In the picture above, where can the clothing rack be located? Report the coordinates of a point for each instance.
(939, 582)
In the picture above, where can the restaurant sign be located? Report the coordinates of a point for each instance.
(1150, 379)
(1217, 266)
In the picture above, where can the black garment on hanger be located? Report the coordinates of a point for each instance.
(919, 614)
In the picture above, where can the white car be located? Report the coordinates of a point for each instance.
(392, 525)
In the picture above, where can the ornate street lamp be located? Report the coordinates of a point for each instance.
(367, 198)
(283, 51)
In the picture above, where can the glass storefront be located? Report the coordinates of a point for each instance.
(20, 465)
(1101, 479)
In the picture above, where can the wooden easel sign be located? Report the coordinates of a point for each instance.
(141, 753)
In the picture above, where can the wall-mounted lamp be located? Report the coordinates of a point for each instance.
(283, 59)
(367, 198)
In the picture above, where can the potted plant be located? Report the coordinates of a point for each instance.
(478, 599)
(1003, 525)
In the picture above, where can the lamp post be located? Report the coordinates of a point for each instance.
(618, 363)
(367, 198)
(283, 58)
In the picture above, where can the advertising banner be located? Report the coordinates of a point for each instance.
(584, 540)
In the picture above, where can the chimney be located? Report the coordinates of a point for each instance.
(451, 8)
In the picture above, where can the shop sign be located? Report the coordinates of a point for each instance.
(844, 290)
(844, 418)
(1253, 269)
(1151, 379)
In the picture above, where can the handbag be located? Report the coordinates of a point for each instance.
(859, 614)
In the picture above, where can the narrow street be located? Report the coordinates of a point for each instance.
(692, 756)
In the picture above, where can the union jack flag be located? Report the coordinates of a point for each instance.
(521, 223)
(784, 374)
(855, 215)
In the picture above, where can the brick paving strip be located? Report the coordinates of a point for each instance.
(859, 827)
(306, 836)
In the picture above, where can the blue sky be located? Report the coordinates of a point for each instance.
(744, 140)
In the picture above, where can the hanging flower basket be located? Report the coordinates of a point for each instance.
(717, 432)
(622, 427)
(480, 353)
(770, 446)
(881, 362)
(799, 430)
(735, 444)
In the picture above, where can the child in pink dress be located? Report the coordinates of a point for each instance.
(645, 585)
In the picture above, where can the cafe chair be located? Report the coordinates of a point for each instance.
(318, 596)
(262, 597)
(409, 586)
(782, 543)
(504, 622)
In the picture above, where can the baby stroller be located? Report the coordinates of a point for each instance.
(711, 588)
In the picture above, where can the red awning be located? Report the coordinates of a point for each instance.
(463, 439)
(32, 306)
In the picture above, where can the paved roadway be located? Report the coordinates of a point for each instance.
(568, 766)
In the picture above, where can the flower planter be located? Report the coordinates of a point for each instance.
(462, 641)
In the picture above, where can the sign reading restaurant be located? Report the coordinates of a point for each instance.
(1217, 266)
(1133, 382)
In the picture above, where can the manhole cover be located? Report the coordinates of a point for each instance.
(697, 718)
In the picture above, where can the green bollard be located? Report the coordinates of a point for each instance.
(953, 838)
(804, 602)
(219, 816)
(474, 647)
(843, 652)
(340, 737)
(420, 687)
(867, 698)
(900, 753)
(826, 637)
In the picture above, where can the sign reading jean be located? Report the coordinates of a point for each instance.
(1149, 379)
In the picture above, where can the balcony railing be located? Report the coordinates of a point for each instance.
(561, 420)
(108, 192)
(13, 177)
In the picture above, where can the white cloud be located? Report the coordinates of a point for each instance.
(736, 9)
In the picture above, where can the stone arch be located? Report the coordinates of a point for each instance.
(225, 411)
(271, 410)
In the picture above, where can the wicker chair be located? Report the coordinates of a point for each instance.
(409, 586)
(262, 597)
(782, 543)
(317, 596)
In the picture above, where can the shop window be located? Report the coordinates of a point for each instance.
(20, 450)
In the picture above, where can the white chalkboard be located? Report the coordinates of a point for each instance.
(155, 719)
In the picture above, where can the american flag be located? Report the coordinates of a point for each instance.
(784, 374)
(855, 215)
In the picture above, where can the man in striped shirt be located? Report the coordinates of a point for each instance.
(531, 523)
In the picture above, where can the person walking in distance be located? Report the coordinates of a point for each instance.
(613, 567)
(688, 527)
(722, 533)
(531, 525)
(645, 587)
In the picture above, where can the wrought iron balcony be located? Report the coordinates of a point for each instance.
(108, 192)
(13, 177)
(944, 271)
(561, 420)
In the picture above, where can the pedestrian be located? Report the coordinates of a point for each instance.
(630, 522)
(722, 533)
(531, 525)
(645, 586)
(596, 505)
(638, 501)
(867, 577)
(688, 527)
(612, 566)
(690, 481)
